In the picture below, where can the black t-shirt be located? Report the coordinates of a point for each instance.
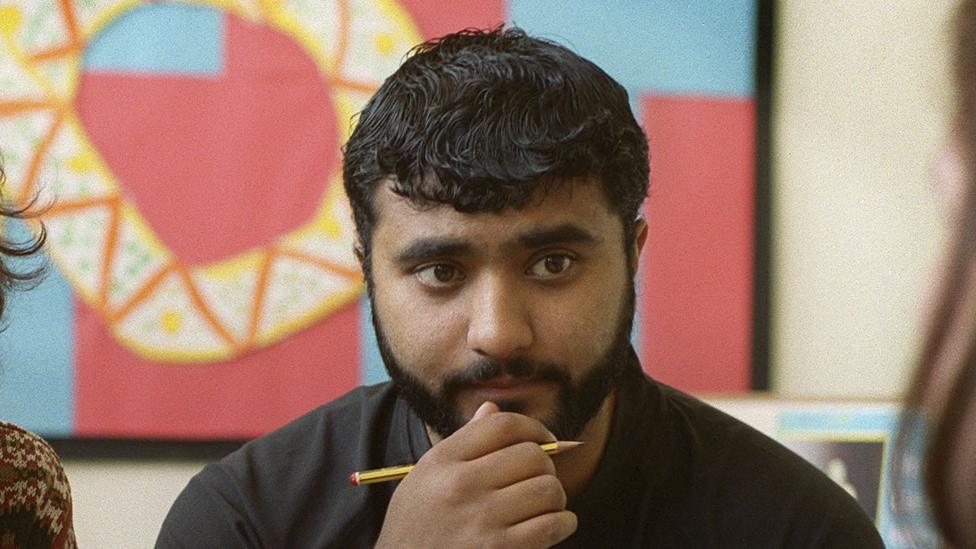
(677, 473)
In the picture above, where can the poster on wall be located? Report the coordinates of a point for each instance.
(201, 279)
(855, 446)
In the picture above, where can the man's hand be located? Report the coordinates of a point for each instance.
(487, 485)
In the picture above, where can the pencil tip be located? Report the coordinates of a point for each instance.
(564, 445)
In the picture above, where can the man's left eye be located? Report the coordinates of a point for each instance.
(551, 266)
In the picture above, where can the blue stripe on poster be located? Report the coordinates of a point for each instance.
(681, 47)
(371, 363)
(163, 38)
(37, 357)
(838, 421)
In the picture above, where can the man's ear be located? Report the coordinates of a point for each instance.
(357, 250)
(640, 237)
(360, 252)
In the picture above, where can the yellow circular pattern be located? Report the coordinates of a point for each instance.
(154, 303)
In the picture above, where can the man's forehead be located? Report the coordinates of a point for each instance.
(577, 216)
(569, 198)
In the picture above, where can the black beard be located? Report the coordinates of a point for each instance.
(576, 404)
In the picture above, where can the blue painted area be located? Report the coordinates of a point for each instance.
(160, 38)
(910, 525)
(37, 358)
(371, 363)
(838, 421)
(664, 46)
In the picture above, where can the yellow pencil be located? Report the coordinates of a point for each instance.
(398, 472)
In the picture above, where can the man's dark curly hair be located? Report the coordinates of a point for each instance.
(483, 119)
(12, 278)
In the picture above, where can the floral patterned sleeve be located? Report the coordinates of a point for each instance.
(35, 499)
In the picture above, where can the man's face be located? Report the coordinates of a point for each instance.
(528, 308)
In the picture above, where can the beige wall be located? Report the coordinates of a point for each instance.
(861, 102)
(861, 105)
(121, 504)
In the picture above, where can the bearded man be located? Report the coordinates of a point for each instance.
(496, 181)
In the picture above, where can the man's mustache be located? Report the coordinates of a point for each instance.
(486, 369)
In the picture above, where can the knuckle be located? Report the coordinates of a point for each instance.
(505, 421)
(440, 455)
(548, 467)
(568, 525)
(518, 426)
(528, 460)
(433, 458)
(528, 451)
(529, 454)
(558, 527)
(551, 490)
(553, 532)
(452, 485)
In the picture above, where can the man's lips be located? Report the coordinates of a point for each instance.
(506, 385)
(505, 382)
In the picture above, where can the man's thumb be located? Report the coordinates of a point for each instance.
(485, 410)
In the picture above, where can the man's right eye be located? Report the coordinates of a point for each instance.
(439, 275)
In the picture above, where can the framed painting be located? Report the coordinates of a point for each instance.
(201, 283)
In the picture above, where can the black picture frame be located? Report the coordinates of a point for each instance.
(138, 449)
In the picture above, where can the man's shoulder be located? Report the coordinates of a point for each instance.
(717, 430)
(290, 486)
(753, 481)
(329, 427)
(720, 446)
(352, 408)
(305, 451)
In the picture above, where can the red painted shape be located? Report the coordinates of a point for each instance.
(119, 394)
(218, 165)
(696, 303)
(435, 18)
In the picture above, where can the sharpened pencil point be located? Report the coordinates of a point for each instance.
(558, 446)
(564, 445)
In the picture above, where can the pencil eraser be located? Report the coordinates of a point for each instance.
(354, 479)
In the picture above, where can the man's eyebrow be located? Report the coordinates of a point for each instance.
(430, 247)
(427, 248)
(567, 233)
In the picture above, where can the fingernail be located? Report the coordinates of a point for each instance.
(483, 410)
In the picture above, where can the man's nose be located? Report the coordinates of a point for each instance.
(499, 322)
